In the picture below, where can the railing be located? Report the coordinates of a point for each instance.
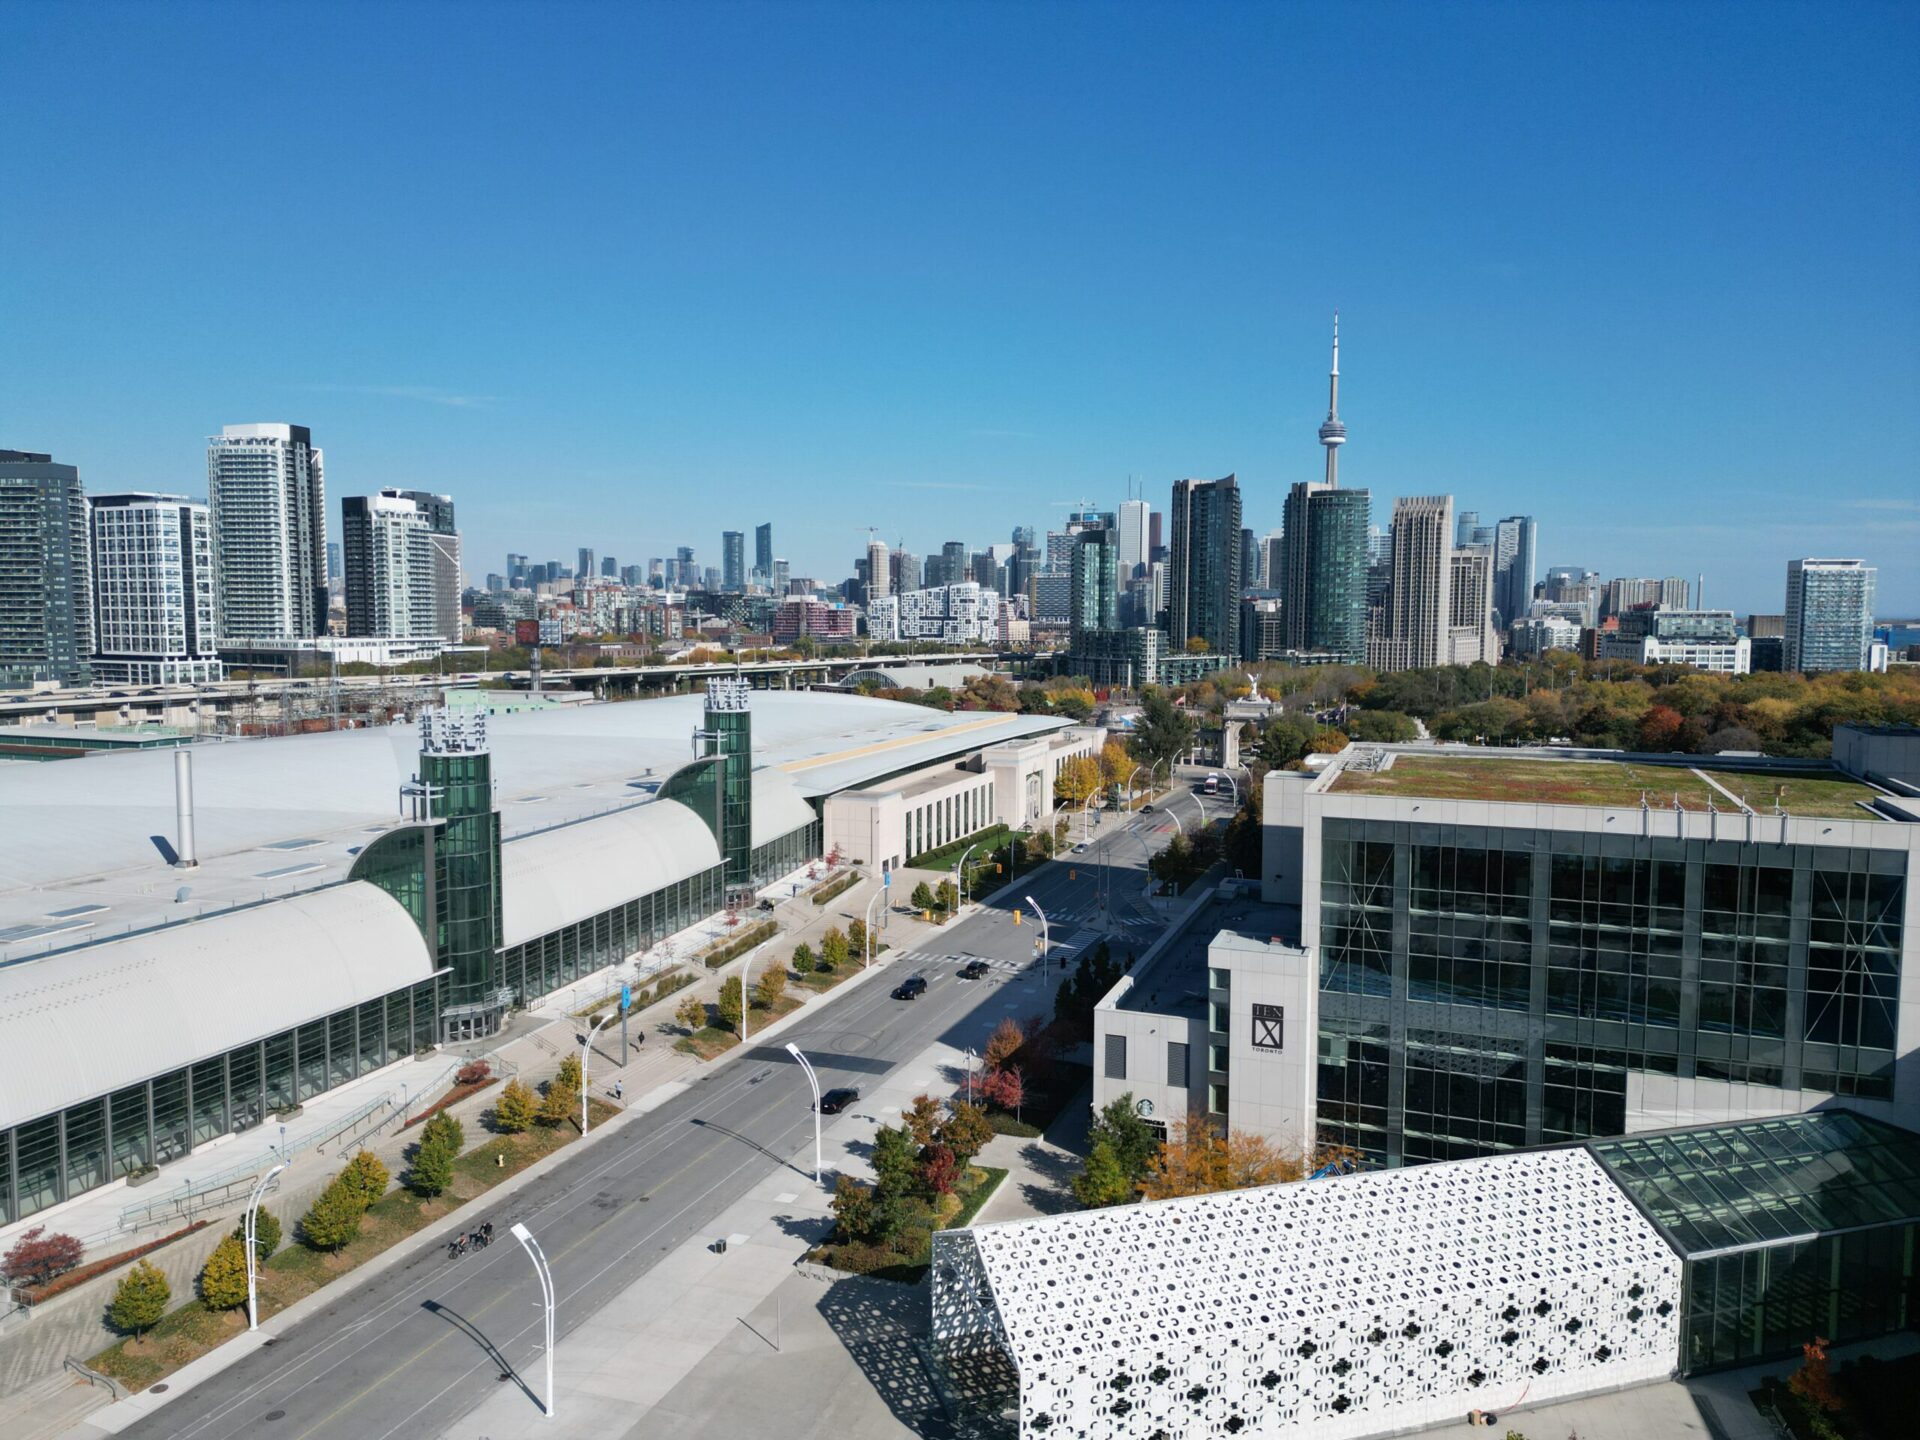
(94, 1377)
(211, 1191)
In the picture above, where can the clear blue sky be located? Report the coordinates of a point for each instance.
(625, 276)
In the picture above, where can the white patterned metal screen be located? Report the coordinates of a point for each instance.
(1354, 1305)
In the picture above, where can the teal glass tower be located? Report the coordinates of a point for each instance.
(456, 774)
(728, 733)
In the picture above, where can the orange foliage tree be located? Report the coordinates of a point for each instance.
(1198, 1159)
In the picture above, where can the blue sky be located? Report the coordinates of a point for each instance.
(626, 276)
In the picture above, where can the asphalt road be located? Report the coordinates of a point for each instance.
(410, 1352)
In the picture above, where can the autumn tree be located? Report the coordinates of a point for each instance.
(333, 1220)
(833, 949)
(1198, 1159)
(514, 1110)
(966, 1130)
(37, 1257)
(365, 1178)
(1103, 1180)
(140, 1299)
(1003, 1045)
(857, 937)
(770, 987)
(1004, 1090)
(223, 1279)
(922, 1118)
(1079, 777)
(691, 1014)
(732, 1002)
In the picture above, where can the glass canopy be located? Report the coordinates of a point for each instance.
(1761, 1182)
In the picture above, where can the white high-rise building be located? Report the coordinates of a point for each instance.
(267, 499)
(391, 561)
(155, 620)
(1829, 620)
(879, 577)
(967, 613)
(1413, 631)
(1132, 559)
(1471, 635)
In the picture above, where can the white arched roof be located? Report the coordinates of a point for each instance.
(90, 1021)
(778, 806)
(555, 877)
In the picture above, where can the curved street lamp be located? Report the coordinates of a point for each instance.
(586, 1053)
(814, 1081)
(250, 1230)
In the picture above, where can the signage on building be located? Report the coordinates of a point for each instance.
(1269, 1027)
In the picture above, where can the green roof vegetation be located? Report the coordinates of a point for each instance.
(1615, 783)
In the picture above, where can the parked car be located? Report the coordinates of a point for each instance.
(973, 969)
(837, 1099)
(911, 988)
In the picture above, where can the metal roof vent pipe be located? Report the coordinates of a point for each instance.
(183, 852)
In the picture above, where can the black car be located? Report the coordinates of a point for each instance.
(911, 988)
(837, 1099)
(1147, 809)
(973, 970)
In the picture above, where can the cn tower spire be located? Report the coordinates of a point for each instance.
(1332, 433)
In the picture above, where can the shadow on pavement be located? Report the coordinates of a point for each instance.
(478, 1336)
(1048, 1192)
(883, 1326)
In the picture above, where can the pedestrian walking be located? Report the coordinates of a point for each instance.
(619, 1088)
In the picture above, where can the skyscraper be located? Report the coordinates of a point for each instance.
(1332, 433)
(733, 560)
(516, 572)
(1203, 583)
(1516, 558)
(1323, 572)
(46, 621)
(609, 567)
(1094, 602)
(1414, 632)
(267, 496)
(879, 576)
(763, 553)
(443, 545)
(584, 570)
(153, 598)
(392, 564)
(1133, 538)
(1470, 633)
(1829, 622)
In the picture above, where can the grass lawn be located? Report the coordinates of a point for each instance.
(1816, 796)
(191, 1330)
(1532, 782)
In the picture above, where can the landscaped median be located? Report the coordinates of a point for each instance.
(178, 1336)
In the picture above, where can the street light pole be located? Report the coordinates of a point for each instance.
(586, 1052)
(1043, 927)
(814, 1081)
(532, 1247)
(251, 1233)
(866, 949)
(960, 865)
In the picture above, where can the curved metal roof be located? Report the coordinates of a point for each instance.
(556, 877)
(778, 806)
(88, 1022)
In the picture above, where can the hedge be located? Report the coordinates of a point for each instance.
(725, 950)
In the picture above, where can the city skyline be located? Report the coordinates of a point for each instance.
(1658, 387)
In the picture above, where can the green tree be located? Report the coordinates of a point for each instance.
(333, 1219)
(440, 1144)
(365, 1177)
(833, 949)
(1162, 732)
(1285, 740)
(730, 1003)
(896, 1160)
(514, 1110)
(692, 1014)
(854, 1210)
(1134, 1141)
(140, 1299)
(568, 1075)
(1103, 1180)
(1382, 726)
(266, 1232)
(771, 985)
(223, 1279)
(947, 897)
(857, 937)
(922, 897)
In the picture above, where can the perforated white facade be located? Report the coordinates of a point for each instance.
(1356, 1306)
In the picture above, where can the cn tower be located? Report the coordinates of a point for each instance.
(1332, 433)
